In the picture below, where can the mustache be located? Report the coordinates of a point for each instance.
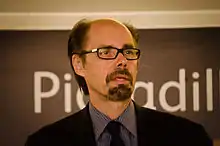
(123, 72)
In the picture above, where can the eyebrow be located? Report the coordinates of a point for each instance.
(102, 46)
(124, 46)
(128, 46)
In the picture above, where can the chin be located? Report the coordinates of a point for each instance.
(121, 92)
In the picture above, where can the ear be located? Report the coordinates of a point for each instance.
(78, 65)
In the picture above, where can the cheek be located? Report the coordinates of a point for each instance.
(133, 65)
(134, 69)
(103, 70)
(97, 71)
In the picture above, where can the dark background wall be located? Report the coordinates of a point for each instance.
(164, 53)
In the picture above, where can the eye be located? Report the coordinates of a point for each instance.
(104, 51)
(129, 52)
(107, 52)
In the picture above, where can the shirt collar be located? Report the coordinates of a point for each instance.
(128, 119)
(100, 120)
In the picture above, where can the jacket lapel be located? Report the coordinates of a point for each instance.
(82, 130)
(87, 135)
(145, 127)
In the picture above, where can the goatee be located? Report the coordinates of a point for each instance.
(122, 91)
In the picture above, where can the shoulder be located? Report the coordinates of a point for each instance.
(155, 116)
(174, 127)
(159, 116)
(57, 131)
(164, 119)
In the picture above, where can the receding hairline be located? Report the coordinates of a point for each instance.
(107, 21)
(103, 20)
(86, 26)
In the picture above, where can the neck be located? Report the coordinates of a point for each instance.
(112, 109)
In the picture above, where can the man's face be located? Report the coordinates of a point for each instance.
(112, 79)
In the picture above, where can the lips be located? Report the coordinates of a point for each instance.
(120, 77)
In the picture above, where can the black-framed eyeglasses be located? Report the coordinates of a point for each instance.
(110, 52)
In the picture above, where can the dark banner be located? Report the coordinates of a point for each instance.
(179, 73)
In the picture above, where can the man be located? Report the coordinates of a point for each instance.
(105, 57)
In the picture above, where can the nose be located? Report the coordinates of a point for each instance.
(121, 61)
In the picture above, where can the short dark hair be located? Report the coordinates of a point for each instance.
(76, 42)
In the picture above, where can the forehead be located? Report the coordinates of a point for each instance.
(108, 32)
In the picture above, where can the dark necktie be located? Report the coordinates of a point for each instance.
(113, 128)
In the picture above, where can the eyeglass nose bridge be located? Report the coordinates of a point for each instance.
(120, 51)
